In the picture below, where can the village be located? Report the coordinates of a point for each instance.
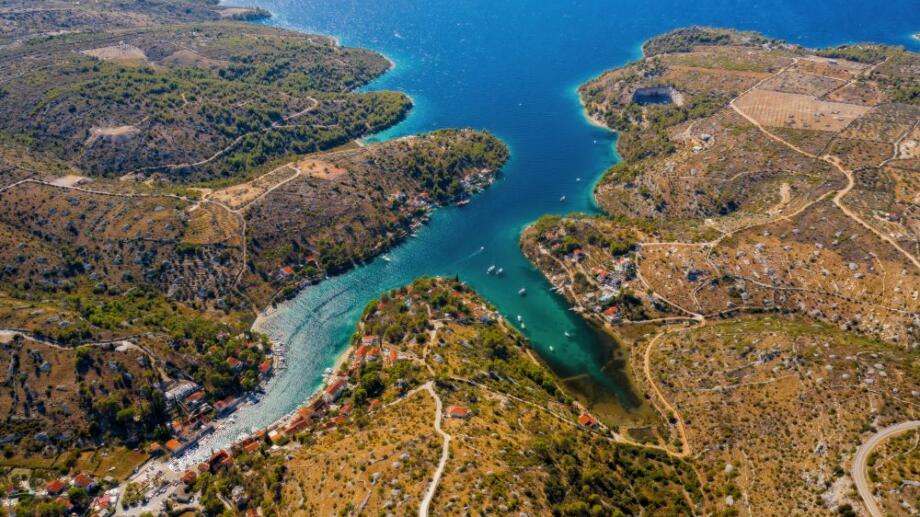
(595, 280)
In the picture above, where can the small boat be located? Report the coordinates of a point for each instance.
(386, 258)
(551, 349)
(490, 270)
(499, 272)
(463, 202)
(577, 179)
(567, 334)
(519, 318)
(523, 326)
(522, 291)
(562, 199)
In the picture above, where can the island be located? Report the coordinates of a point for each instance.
(757, 257)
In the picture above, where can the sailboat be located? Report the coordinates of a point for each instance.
(522, 291)
(490, 270)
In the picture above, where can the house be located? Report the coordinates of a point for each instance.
(334, 390)
(103, 504)
(55, 487)
(612, 313)
(252, 447)
(346, 410)
(370, 340)
(85, 482)
(194, 400)
(64, 502)
(586, 420)
(174, 446)
(373, 354)
(228, 405)
(155, 449)
(296, 426)
(285, 273)
(180, 390)
(458, 412)
(265, 368)
(391, 358)
(189, 477)
(234, 363)
(219, 459)
(360, 354)
(305, 412)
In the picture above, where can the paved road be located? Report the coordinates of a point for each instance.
(858, 471)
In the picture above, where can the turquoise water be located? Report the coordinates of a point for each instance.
(511, 67)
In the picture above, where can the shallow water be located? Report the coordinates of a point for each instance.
(511, 67)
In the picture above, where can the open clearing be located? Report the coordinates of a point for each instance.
(777, 109)
(70, 180)
(111, 132)
(241, 195)
(123, 54)
(320, 169)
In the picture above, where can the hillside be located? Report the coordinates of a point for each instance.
(162, 181)
(189, 102)
(758, 255)
(441, 402)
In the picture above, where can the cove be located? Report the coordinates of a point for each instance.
(511, 67)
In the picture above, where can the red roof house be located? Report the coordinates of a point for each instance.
(586, 420)
(83, 481)
(189, 477)
(334, 390)
(265, 367)
(55, 487)
(458, 412)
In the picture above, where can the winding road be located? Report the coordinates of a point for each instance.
(858, 470)
(445, 452)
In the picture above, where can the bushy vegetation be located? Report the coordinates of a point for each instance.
(111, 119)
(684, 39)
(588, 478)
(862, 53)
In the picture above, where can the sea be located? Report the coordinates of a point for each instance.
(512, 67)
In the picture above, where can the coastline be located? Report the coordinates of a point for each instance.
(279, 349)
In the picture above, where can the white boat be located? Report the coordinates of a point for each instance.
(490, 270)
(562, 198)
(520, 318)
(523, 326)
(500, 271)
(522, 291)
(577, 179)
(385, 257)
(551, 349)
(567, 334)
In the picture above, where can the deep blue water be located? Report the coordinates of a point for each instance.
(511, 67)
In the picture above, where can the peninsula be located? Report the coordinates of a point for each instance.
(757, 257)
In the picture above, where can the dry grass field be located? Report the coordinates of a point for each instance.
(778, 109)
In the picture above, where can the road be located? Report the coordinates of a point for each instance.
(445, 453)
(858, 470)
